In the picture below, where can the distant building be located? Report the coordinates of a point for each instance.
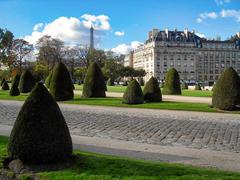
(196, 59)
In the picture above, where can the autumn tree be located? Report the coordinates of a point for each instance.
(6, 40)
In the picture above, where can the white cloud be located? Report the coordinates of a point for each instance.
(207, 15)
(119, 33)
(221, 2)
(231, 13)
(71, 30)
(199, 20)
(125, 49)
(38, 26)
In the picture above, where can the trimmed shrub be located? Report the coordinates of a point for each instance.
(184, 85)
(61, 86)
(48, 79)
(226, 92)
(172, 82)
(94, 83)
(110, 82)
(141, 82)
(26, 82)
(14, 91)
(3, 80)
(198, 87)
(133, 94)
(152, 92)
(40, 133)
(5, 86)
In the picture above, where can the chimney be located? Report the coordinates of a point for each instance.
(166, 32)
(154, 32)
(186, 32)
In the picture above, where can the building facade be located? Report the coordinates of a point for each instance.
(196, 59)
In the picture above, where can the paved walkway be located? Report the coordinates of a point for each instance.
(174, 98)
(206, 139)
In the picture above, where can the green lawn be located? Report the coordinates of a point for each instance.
(104, 167)
(117, 102)
(121, 89)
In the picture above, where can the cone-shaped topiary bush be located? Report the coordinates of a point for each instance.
(3, 80)
(133, 94)
(5, 86)
(14, 91)
(152, 92)
(184, 85)
(110, 82)
(226, 92)
(61, 86)
(198, 87)
(140, 81)
(94, 84)
(48, 79)
(40, 133)
(172, 82)
(26, 82)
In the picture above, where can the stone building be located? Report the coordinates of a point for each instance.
(196, 59)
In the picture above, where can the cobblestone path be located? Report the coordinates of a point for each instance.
(214, 131)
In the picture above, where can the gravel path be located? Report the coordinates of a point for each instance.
(215, 131)
(174, 98)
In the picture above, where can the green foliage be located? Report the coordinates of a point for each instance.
(61, 86)
(226, 92)
(184, 85)
(40, 70)
(198, 87)
(94, 84)
(14, 91)
(110, 82)
(133, 93)
(26, 82)
(152, 92)
(5, 86)
(40, 133)
(172, 82)
(111, 69)
(80, 73)
(48, 79)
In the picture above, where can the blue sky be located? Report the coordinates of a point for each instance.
(133, 18)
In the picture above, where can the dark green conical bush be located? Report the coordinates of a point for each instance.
(184, 85)
(48, 79)
(26, 82)
(5, 86)
(133, 94)
(152, 92)
(14, 91)
(61, 86)
(172, 82)
(226, 92)
(94, 84)
(3, 80)
(110, 82)
(40, 133)
(198, 87)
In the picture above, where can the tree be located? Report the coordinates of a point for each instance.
(71, 57)
(139, 73)
(14, 91)
(6, 40)
(40, 70)
(80, 73)
(111, 69)
(141, 81)
(198, 87)
(110, 82)
(94, 84)
(3, 80)
(48, 79)
(5, 86)
(26, 82)
(184, 85)
(172, 82)
(61, 86)
(152, 92)
(40, 133)
(51, 50)
(133, 94)
(21, 49)
(126, 72)
(226, 92)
